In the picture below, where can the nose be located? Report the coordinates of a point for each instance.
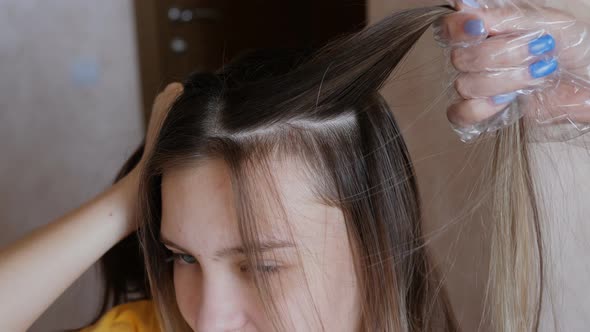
(223, 305)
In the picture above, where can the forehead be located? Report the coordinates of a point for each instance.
(198, 205)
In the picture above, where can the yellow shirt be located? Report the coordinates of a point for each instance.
(138, 316)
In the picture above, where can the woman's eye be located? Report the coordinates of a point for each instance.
(184, 258)
(268, 268)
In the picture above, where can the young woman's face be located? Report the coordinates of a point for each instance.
(307, 257)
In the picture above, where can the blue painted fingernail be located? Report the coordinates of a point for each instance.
(504, 98)
(471, 3)
(474, 27)
(543, 68)
(542, 45)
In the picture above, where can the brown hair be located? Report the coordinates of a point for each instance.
(326, 112)
(325, 109)
(516, 263)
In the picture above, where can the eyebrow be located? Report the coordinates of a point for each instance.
(237, 250)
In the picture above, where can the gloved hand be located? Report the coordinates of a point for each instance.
(514, 59)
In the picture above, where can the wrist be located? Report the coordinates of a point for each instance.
(127, 189)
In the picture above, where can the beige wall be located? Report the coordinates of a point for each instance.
(448, 173)
(69, 117)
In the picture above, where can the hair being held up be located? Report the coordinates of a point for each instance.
(324, 109)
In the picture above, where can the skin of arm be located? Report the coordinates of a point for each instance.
(38, 268)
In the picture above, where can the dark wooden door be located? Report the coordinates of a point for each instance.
(179, 36)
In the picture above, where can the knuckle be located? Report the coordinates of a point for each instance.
(441, 30)
(462, 86)
(456, 115)
(464, 114)
(458, 59)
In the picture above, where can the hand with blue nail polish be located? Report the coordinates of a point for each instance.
(504, 55)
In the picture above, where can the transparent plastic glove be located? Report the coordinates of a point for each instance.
(514, 59)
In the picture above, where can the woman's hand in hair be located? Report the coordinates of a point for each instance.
(35, 270)
(537, 54)
(160, 109)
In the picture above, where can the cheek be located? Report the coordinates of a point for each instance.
(187, 289)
